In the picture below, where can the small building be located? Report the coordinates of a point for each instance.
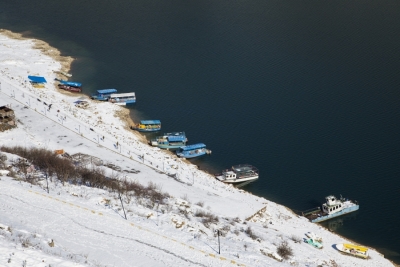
(7, 118)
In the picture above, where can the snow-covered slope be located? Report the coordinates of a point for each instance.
(87, 226)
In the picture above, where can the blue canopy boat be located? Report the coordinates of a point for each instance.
(192, 151)
(170, 140)
(147, 126)
(73, 84)
(103, 94)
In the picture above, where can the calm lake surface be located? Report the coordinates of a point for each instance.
(307, 91)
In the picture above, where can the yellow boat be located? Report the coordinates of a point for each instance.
(354, 250)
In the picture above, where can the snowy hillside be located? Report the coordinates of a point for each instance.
(79, 225)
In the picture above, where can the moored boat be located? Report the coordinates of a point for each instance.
(123, 99)
(192, 151)
(238, 174)
(147, 126)
(70, 88)
(73, 84)
(172, 140)
(103, 94)
(332, 208)
(357, 251)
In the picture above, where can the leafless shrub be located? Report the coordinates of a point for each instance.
(207, 218)
(284, 250)
(295, 239)
(200, 213)
(25, 242)
(200, 203)
(185, 197)
(251, 233)
(225, 230)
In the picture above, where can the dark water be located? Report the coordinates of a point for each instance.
(307, 91)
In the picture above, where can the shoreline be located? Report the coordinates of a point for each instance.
(121, 113)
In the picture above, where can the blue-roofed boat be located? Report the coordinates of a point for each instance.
(73, 84)
(147, 126)
(123, 99)
(103, 94)
(192, 151)
(172, 140)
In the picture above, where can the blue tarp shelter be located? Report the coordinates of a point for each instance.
(37, 79)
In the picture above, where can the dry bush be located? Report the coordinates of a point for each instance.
(284, 250)
(295, 239)
(209, 219)
(200, 204)
(200, 213)
(251, 233)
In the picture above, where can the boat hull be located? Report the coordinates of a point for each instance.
(146, 130)
(337, 214)
(189, 156)
(169, 146)
(352, 252)
(237, 181)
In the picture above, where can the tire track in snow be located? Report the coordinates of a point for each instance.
(105, 233)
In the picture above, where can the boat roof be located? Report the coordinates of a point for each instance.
(191, 147)
(350, 246)
(122, 95)
(74, 84)
(174, 138)
(37, 79)
(175, 133)
(106, 91)
(150, 122)
(244, 168)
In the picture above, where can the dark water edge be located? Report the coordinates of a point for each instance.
(306, 91)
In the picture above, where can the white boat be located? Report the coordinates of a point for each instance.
(123, 99)
(238, 174)
(357, 251)
(332, 208)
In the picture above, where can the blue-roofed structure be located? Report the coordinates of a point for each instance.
(172, 140)
(103, 94)
(73, 84)
(106, 91)
(37, 79)
(192, 151)
(176, 138)
(195, 146)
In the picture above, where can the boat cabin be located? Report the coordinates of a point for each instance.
(103, 94)
(192, 151)
(229, 175)
(148, 126)
(332, 205)
(123, 98)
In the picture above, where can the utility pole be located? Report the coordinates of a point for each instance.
(219, 245)
(122, 204)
